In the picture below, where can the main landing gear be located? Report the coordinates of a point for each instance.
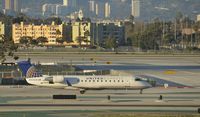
(82, 91)
(141, 91)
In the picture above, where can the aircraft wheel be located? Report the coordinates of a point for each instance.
(82, 92)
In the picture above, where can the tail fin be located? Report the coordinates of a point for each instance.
(28, 70)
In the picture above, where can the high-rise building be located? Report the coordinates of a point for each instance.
(65, 2)
(97, 9)
(49, 9)
(135, 8)
(11, 5)
(17, 5)
(107, 10)
(7, 4)
(92, 6)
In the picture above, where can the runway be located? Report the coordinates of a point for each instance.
(40, 99)
(182, 73)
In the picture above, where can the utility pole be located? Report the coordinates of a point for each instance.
(175, 30)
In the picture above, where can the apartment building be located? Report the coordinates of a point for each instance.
(51, 32)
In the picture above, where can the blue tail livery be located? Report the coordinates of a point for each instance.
(28, 70)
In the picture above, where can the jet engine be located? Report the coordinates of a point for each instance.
(55, 79)
(58, 79)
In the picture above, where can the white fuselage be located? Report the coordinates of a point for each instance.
(90, 82)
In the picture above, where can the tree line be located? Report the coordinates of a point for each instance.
(180, 33)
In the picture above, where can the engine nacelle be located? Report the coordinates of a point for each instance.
(58, 79)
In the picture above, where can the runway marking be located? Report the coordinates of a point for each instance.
(95, 105)
(190, 72)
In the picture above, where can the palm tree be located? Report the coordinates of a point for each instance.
(196, 28)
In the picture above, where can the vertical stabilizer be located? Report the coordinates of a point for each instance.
(28, 70)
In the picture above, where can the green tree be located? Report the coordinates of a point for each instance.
(7, 48)
(25, 40)
(148, 36)
(42, 40)
(21, 18)
(56, 20)
(196, 28)
(60, 40)
(111, 43)
(34, 42)
(79, 39)
(86, 35)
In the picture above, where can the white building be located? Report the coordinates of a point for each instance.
(61, 10)
(135, 8)
(198, 17)
(79, 30)
(75, 15)
(2, 30)
(92, 6)
(97, 9)
(107, 10)
(65, 2)
(54, 9)
(49, 9)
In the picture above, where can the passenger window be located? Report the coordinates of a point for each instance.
(85, 80)
(110, 81)
(101, 80)
(93, 80)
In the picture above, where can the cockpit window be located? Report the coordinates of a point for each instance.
(138, 79)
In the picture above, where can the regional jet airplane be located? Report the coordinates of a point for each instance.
(82, 83)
